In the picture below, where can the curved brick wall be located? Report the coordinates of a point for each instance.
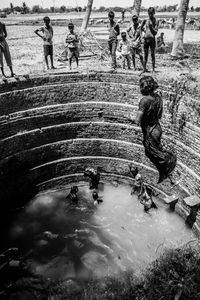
(52, 126)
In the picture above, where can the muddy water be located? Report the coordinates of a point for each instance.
(78, 242)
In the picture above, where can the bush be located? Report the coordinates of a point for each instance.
(175, 273)
(173, 276)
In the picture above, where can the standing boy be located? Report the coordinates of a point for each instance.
(134, 32)
(47, 36)
(72, 45)
(124, 48)
(4, 50)
(150, 27)
(114, 31)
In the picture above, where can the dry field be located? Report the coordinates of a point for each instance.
(27, 50)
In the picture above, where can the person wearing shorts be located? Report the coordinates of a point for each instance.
(72, 45)
(124, 48)
(4, 51)
(47, 36)
(114, 31)
(134, 33)
(150, 28)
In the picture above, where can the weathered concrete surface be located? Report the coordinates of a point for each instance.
(196, 226)
(50, 124)
(192, 201)
(188, 209)
(171, 200)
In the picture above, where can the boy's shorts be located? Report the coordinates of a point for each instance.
(150, 42)
(48, 50)
(4, 50)
(73, 52)
(137, 50)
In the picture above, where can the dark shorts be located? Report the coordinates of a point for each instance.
(73, 52)
(48, 50)
(137, 50)
(150, 42)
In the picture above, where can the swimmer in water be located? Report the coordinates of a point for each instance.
(94, 177)
(96, 198)
(72, 197)
(137, 179)
(146, 198)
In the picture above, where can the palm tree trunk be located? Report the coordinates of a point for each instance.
(87, 16)
(137, 6)
(177, 49)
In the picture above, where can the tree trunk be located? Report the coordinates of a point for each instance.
(177, 49)
(87, 16)
(137, 6)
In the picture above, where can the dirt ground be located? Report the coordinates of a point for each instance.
(27, 53)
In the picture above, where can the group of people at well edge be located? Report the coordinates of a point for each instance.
(136, 40)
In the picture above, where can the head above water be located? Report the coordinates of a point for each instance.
(151, 12)
(88, 171)
(147, 85)
(123, 35)
(46, 20)
(95, 195)
(74, 189)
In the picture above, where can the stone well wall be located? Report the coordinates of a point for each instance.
(52, 126)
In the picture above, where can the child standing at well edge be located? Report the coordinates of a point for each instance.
(72, 45)
(47, 36)
(114, 31)
(124, 48)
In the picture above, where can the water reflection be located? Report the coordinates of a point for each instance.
(69, 241)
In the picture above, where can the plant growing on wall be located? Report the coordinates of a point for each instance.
(179, 90)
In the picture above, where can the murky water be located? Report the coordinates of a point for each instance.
(68, 241)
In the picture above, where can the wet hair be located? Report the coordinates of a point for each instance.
(151, 10)
(74, 189)
(95, 195)
(147, 85)
(87, 171)
(46, 19)
(70, 25)
(123, 34)
(135, 171)
(111, 13)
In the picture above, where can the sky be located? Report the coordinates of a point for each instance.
(97, 3)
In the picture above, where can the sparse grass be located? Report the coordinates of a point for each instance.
(27, 50)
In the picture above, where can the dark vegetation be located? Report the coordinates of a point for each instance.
(173, 276)
(24, 9)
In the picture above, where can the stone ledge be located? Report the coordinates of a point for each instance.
(181, 210)
(171, 200)
(46, 135)
(196, 226)
(192, 201)
(188, 209)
